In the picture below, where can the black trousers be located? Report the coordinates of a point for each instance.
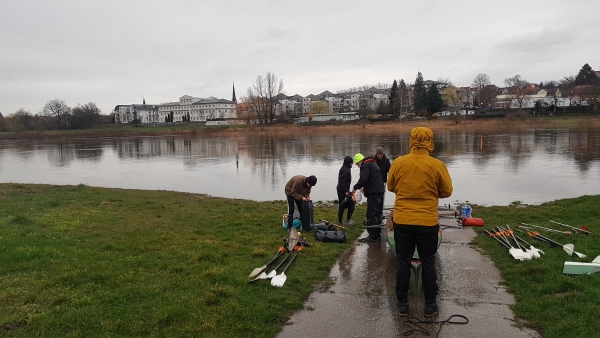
(291, 201)
(374, 213)
(425, 239)
(341, 196)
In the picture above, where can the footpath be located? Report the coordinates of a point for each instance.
(360, 301)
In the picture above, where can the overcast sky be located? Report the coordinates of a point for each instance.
(117, 51)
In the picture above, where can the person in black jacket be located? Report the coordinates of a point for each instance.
(343, 192)
(384, 166)
(370, 183)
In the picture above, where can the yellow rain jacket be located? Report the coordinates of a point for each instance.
(419, 181)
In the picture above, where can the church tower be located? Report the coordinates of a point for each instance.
(233, 97)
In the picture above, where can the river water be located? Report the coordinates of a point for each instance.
(488, 168)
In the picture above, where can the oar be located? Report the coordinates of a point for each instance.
(496, 238)
(548, 229)
(273, 272)
(569, 248)
(572, 227)
(279, 280)
(516, 253)
(257, 271)
(533, 252)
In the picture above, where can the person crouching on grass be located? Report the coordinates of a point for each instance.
(297, 190)
(372, 186)
(419, 181)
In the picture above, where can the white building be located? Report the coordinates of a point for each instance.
(188, 108)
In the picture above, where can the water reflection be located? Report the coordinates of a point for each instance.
(531, 166)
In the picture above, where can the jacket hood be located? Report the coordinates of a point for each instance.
(421, 138)
(348, 161)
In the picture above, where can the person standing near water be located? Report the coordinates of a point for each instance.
(419, 181)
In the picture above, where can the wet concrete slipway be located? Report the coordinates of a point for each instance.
(362, 301)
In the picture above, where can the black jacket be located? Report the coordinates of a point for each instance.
(384, 167)
(345, 175)
(370, 178)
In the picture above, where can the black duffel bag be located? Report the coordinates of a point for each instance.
(332, 236)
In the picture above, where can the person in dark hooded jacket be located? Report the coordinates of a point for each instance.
(370, 183)
(343, 192)
(384, 166)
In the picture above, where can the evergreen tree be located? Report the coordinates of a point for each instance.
(586, 76)
(402, 96)
(394, 99)
(434, 100)
(420, 94)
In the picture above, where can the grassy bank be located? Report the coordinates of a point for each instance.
(77, 261)
(80, 261)
(497, 124)
(558, 305)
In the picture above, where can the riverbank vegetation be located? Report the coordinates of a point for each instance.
(547, 300)
(362, 126)
(81, 261)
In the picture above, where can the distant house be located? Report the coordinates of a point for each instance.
(328, 117)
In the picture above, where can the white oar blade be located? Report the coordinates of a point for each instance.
(517, 254)
(569, 249)
(579, 254)
(263, 275)
(272, 274)
(278, 280)
(533, 253)
(537, 251)
(257, 271)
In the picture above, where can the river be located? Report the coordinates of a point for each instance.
(487, 168)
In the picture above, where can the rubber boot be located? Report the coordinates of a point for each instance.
(403, 307)
(431, 308)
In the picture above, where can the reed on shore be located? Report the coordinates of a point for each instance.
(363, 126)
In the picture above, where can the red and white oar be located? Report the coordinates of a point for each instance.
(585, 231)
(565, 232)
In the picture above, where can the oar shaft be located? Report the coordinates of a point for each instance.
(547, 229)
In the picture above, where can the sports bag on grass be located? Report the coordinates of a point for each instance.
(335, 236)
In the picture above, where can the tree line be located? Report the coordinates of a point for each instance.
(55, 114)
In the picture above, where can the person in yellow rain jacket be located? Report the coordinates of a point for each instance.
(419, 181)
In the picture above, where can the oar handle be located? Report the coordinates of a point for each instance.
(499, 241)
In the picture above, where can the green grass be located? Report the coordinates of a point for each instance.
(557, 305)
(77, 261)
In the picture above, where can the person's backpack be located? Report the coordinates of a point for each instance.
(307, 215)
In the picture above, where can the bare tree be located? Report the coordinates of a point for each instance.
(262, 96)
(445, 81)
(518, 88)
(481, 80)
(23, 119)
(58, 111)
(567, 86)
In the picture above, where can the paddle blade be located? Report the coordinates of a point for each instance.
(257, 271)
(278, 280)
(272, 274)
(569, 249)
